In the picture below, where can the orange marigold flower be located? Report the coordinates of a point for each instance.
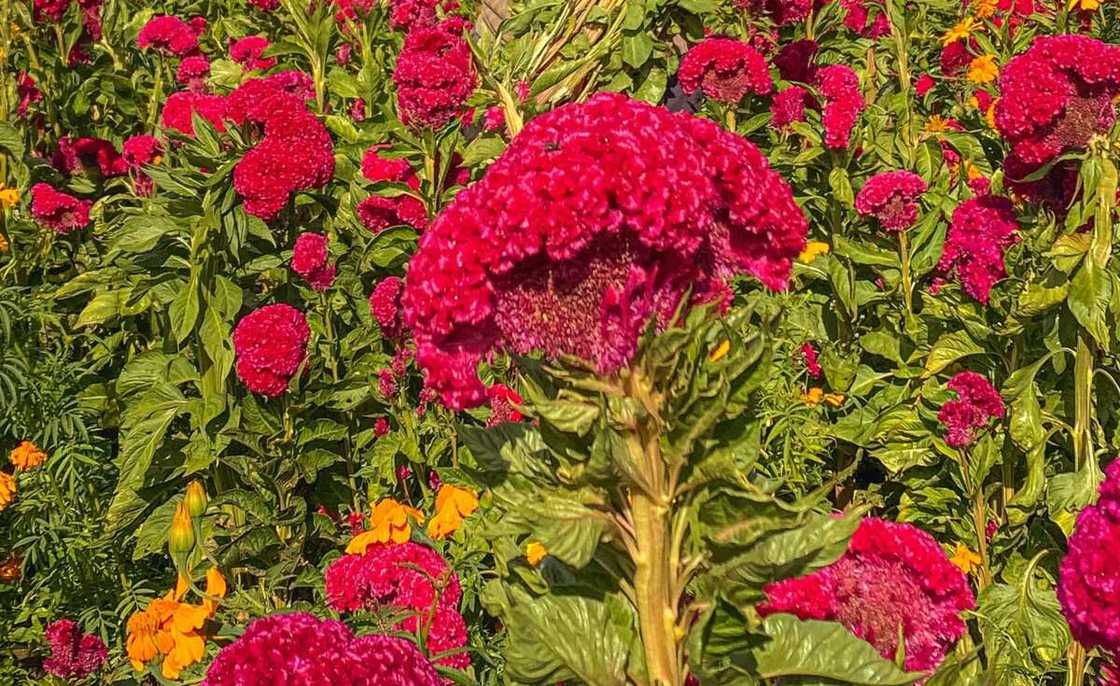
(813, 250)
(965, 559)
(7, 490)
(4, 245)
(720, 351)
(453, 504)
(834, 399)
(984, 8)
(937, 124)
(27, 456)
(983, 69)
(9, 197)
(1084, 5)
(813, 396)
(173, 629)
(389, 523)
(10, 568)
(961, 31)
(535, 552)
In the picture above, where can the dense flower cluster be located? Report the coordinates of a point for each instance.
(74, 655)
(310, 260)
(403, 576)
(812, 365)
(788, 106)
(271, 344)
(725, 69)
(1053, 99)
(1090, 572)
(977, 402)
(503, 402)
(192, 73)
(179, 108)
(781, 11)
(77, 155)
(866, 17)
(385, 305)
(597, 217)
(891, 197)
(894, 580)
(408, 14)
(169, 34)
(140, 150)
(247, 52)
(378, 213)
(57, 210)
(981, 230)
(434, 74)
(796, 61)
(300, 648)
(28, 93)
(838, 85)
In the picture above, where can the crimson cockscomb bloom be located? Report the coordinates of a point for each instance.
(924, 84)
(168, 34)
(795, 61)
(809, 355)
(74, 655)
(300, 648)
(868, 18)
(783, 12)
(893, 582)
(502, 404)
(838, 84)
(598, 217)
(434, 75)
(977, 403)
(981, 231)
(788, 106)
(78, 154)
(192, 73)
(725, 69)
(179, 108)
(384, 304)
(311, 261)
(28, 93)
(408, 14)
(59, 211)
(271, 344)
(891, 197)
(140, 150)
(1089, 575)
(247, 52)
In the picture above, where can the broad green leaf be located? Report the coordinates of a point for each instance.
(950, 348)
(1089, 295)
(103, 307)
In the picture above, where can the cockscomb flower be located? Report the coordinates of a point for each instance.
(57, 210)
(981, 231)
(868, 18)
(76, 155)
(140, 150)
(434, 75)
(378, 213)
(28, 93)
(192, 73)
(503, 402)
(783, 12)
(924, 84)
(809, 356)
(74, 655)
(310, 260)
(893, 582)
(376, 168)
(49, 10)
(598, 217)
(265, 5)
(788, 106)
(795, 61)
(1090, 572)
(168, 34)
(300, 648)
(838, 85)
(408, 14)
(977, 403)
(891, 197)
(384, 305)
(180, 106)
(247, 52)
(271, 344)
(494, 120)
(725, 69)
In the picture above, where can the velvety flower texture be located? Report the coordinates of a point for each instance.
(378, 213)
(1053, 98)
(75, 155)
(247, 52)
(192, 73)
(1089, 575)
(809, 354)
(894, 579)
(57, 210)
(868, 18)
(795, 61)
(296, 152)
(403, 576)
(407, 14)
(891, 198)
(271, 343)
(300, 648)
(74, 655)
(169, 34)
(725, 69)
(503, 400)
(977, 402)
(838, 84)
(981, 230)
(434, 75)
(179, 107)
(309, 260)
(788, 106)
(781, 11)
(140, 150)
(597, 217)
(384, 305)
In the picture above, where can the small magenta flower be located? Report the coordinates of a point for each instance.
(977, 402)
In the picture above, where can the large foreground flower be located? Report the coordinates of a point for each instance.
(300, 648)
(1089, 576)
(270, 343)
(893, 582)
(598, 217)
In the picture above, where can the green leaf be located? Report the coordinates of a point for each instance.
(636, 48)
(103, 307)
(1022, 624)
(152, 534)
(184, 310)
(948, 349)
(566, 415)
(1089, 295)
(483, 149)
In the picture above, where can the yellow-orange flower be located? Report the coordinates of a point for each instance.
(961, 31)
(937, 124)
(7, 490)
(9, 197)
(27, 456)
(813, 396)
(388, 524)
(535, 552)
(720, 351)
(4, 245)
(453, 504)
(813, 250)
(965, 559)
(983, 69)
(1084, 5)
(984, 8)
(10, 568)
(172, 628)
(834, 399)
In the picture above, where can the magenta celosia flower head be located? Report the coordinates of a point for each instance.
(868, 18)
(598, 217)
(179, 108)
(977, 403)
(385, 306)
(247, 52)
(168, 34)
(894, 581)
(796, 61)
(725, 69)
(981, 231)
(1089, 575)
(57, 210)
(788, 106)
(838, 85)
(74, 655)
(299, 648)
(783, 12)
(310, 260)
(434, 75)
(140, 149)
(891, 198)
(192, 73)
(271, 344)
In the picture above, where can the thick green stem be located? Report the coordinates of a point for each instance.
(907, 284)
(653, 591)
(979, 509)
(1082, 401)
(1078, 662)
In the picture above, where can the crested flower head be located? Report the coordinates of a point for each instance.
(788, 106)
(74, 655)
(795, 61)
(503, 402)
(868, 18)
(838, 85)
(725, 69)
(385, 305)
(891, 198)
(893, 582)
(598, 217)
(407, 14)
(57, 210)
(310, 260)
(271, 344)
(168, 34)
(247, 52)
(783, 12)
(180, 107)
(977, 402)
(1090, 572)
(140, 150)
(435, 74)
(981, 231)
(76, 155)
(192, 73)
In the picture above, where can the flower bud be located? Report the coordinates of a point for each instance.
(181, 539)
(196, 499)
